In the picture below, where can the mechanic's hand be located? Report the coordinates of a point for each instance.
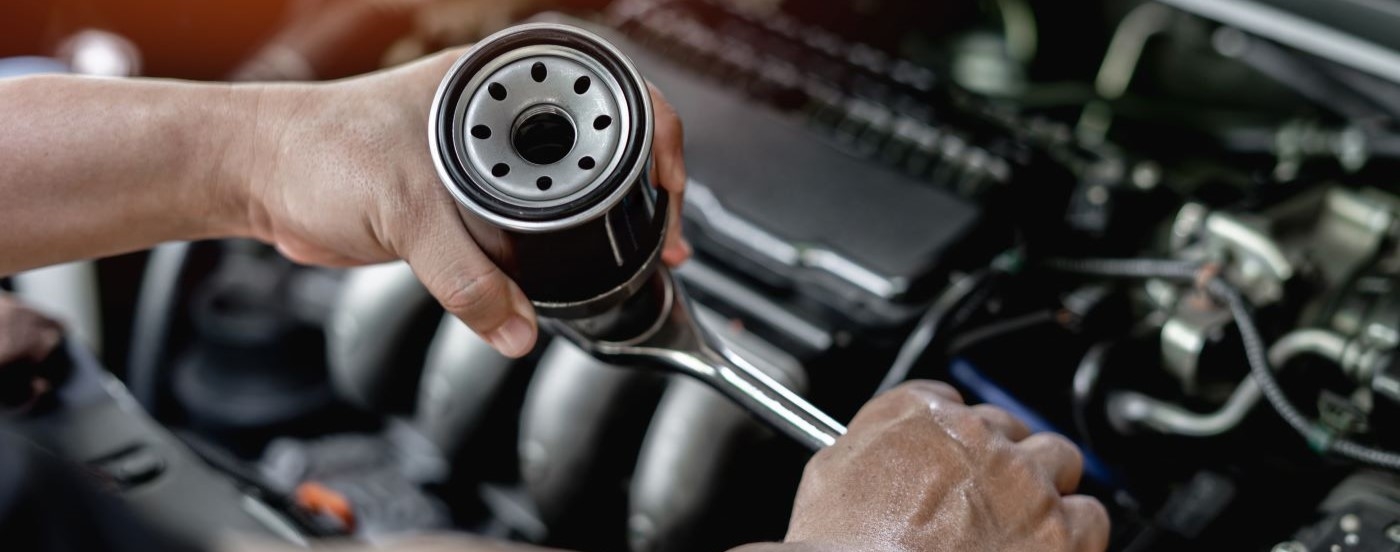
(343, 176)
(919, 470)
(26, 336)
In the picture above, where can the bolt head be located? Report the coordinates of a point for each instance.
(1349, 523)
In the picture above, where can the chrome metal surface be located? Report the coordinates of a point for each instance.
(1307, 35)
(542, 134)
(1120, 63)
(1128, 409)
(371, 315)
(603, 97)
(523, 97)
(1184, 336)
(461, 376)
(677, 342)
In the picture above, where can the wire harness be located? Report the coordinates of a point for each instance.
(1206, 276)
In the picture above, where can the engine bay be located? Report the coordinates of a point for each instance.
(1029, 200)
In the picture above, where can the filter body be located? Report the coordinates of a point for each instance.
(542, 133)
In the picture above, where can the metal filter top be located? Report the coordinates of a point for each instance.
(541, 126)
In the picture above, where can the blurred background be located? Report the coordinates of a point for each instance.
(873, 182)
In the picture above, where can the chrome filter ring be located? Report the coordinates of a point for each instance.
(542, 134)
(542, 143)
(490, 102)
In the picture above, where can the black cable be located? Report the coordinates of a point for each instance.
(952, 308)
(992, 330)
(1086, 378)
(253, 483)
(1258, 356)
(1255, 352)
(1128, 268)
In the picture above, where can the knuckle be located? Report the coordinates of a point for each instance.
(971, 427)
(1023, 467)
(899, 395)
(901, 403)
(1070, 451)
(909, 397)
(1089, 521)
(470, 296)
(1055, 445)
(994, 415)
(1090, 509)
(1097, 513)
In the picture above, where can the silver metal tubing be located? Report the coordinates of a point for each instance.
(1322, 343)
(1128, 409)
(1299, 32)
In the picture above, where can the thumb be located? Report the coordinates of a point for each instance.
(471, 287)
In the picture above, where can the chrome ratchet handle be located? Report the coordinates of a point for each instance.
(678, 343)
(766, 398)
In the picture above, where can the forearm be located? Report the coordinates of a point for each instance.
(94, 167)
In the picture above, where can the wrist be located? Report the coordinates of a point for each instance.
(248, 155)
(222, 159)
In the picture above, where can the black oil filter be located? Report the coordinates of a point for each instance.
(542, 133)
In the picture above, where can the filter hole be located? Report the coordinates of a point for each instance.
(500, 170)
(586, 163)
(497, 91)
(602, 122)
(543, 135)
(538, 72)
(581, 85)
(481, 132)
(544, 183)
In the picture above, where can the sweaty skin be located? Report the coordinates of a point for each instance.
(919, 470)
(332, 173)
(340, 174)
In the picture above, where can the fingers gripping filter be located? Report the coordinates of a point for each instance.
(542, 133)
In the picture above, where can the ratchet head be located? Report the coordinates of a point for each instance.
(657, 328)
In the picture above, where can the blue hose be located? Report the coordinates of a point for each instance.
(985, 390)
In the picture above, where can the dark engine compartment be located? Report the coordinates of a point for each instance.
(876, 188)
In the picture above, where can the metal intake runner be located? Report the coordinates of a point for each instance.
(542, 133)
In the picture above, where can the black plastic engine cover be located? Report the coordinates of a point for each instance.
(781, 203)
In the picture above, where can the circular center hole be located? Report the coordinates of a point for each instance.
(543, 135)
